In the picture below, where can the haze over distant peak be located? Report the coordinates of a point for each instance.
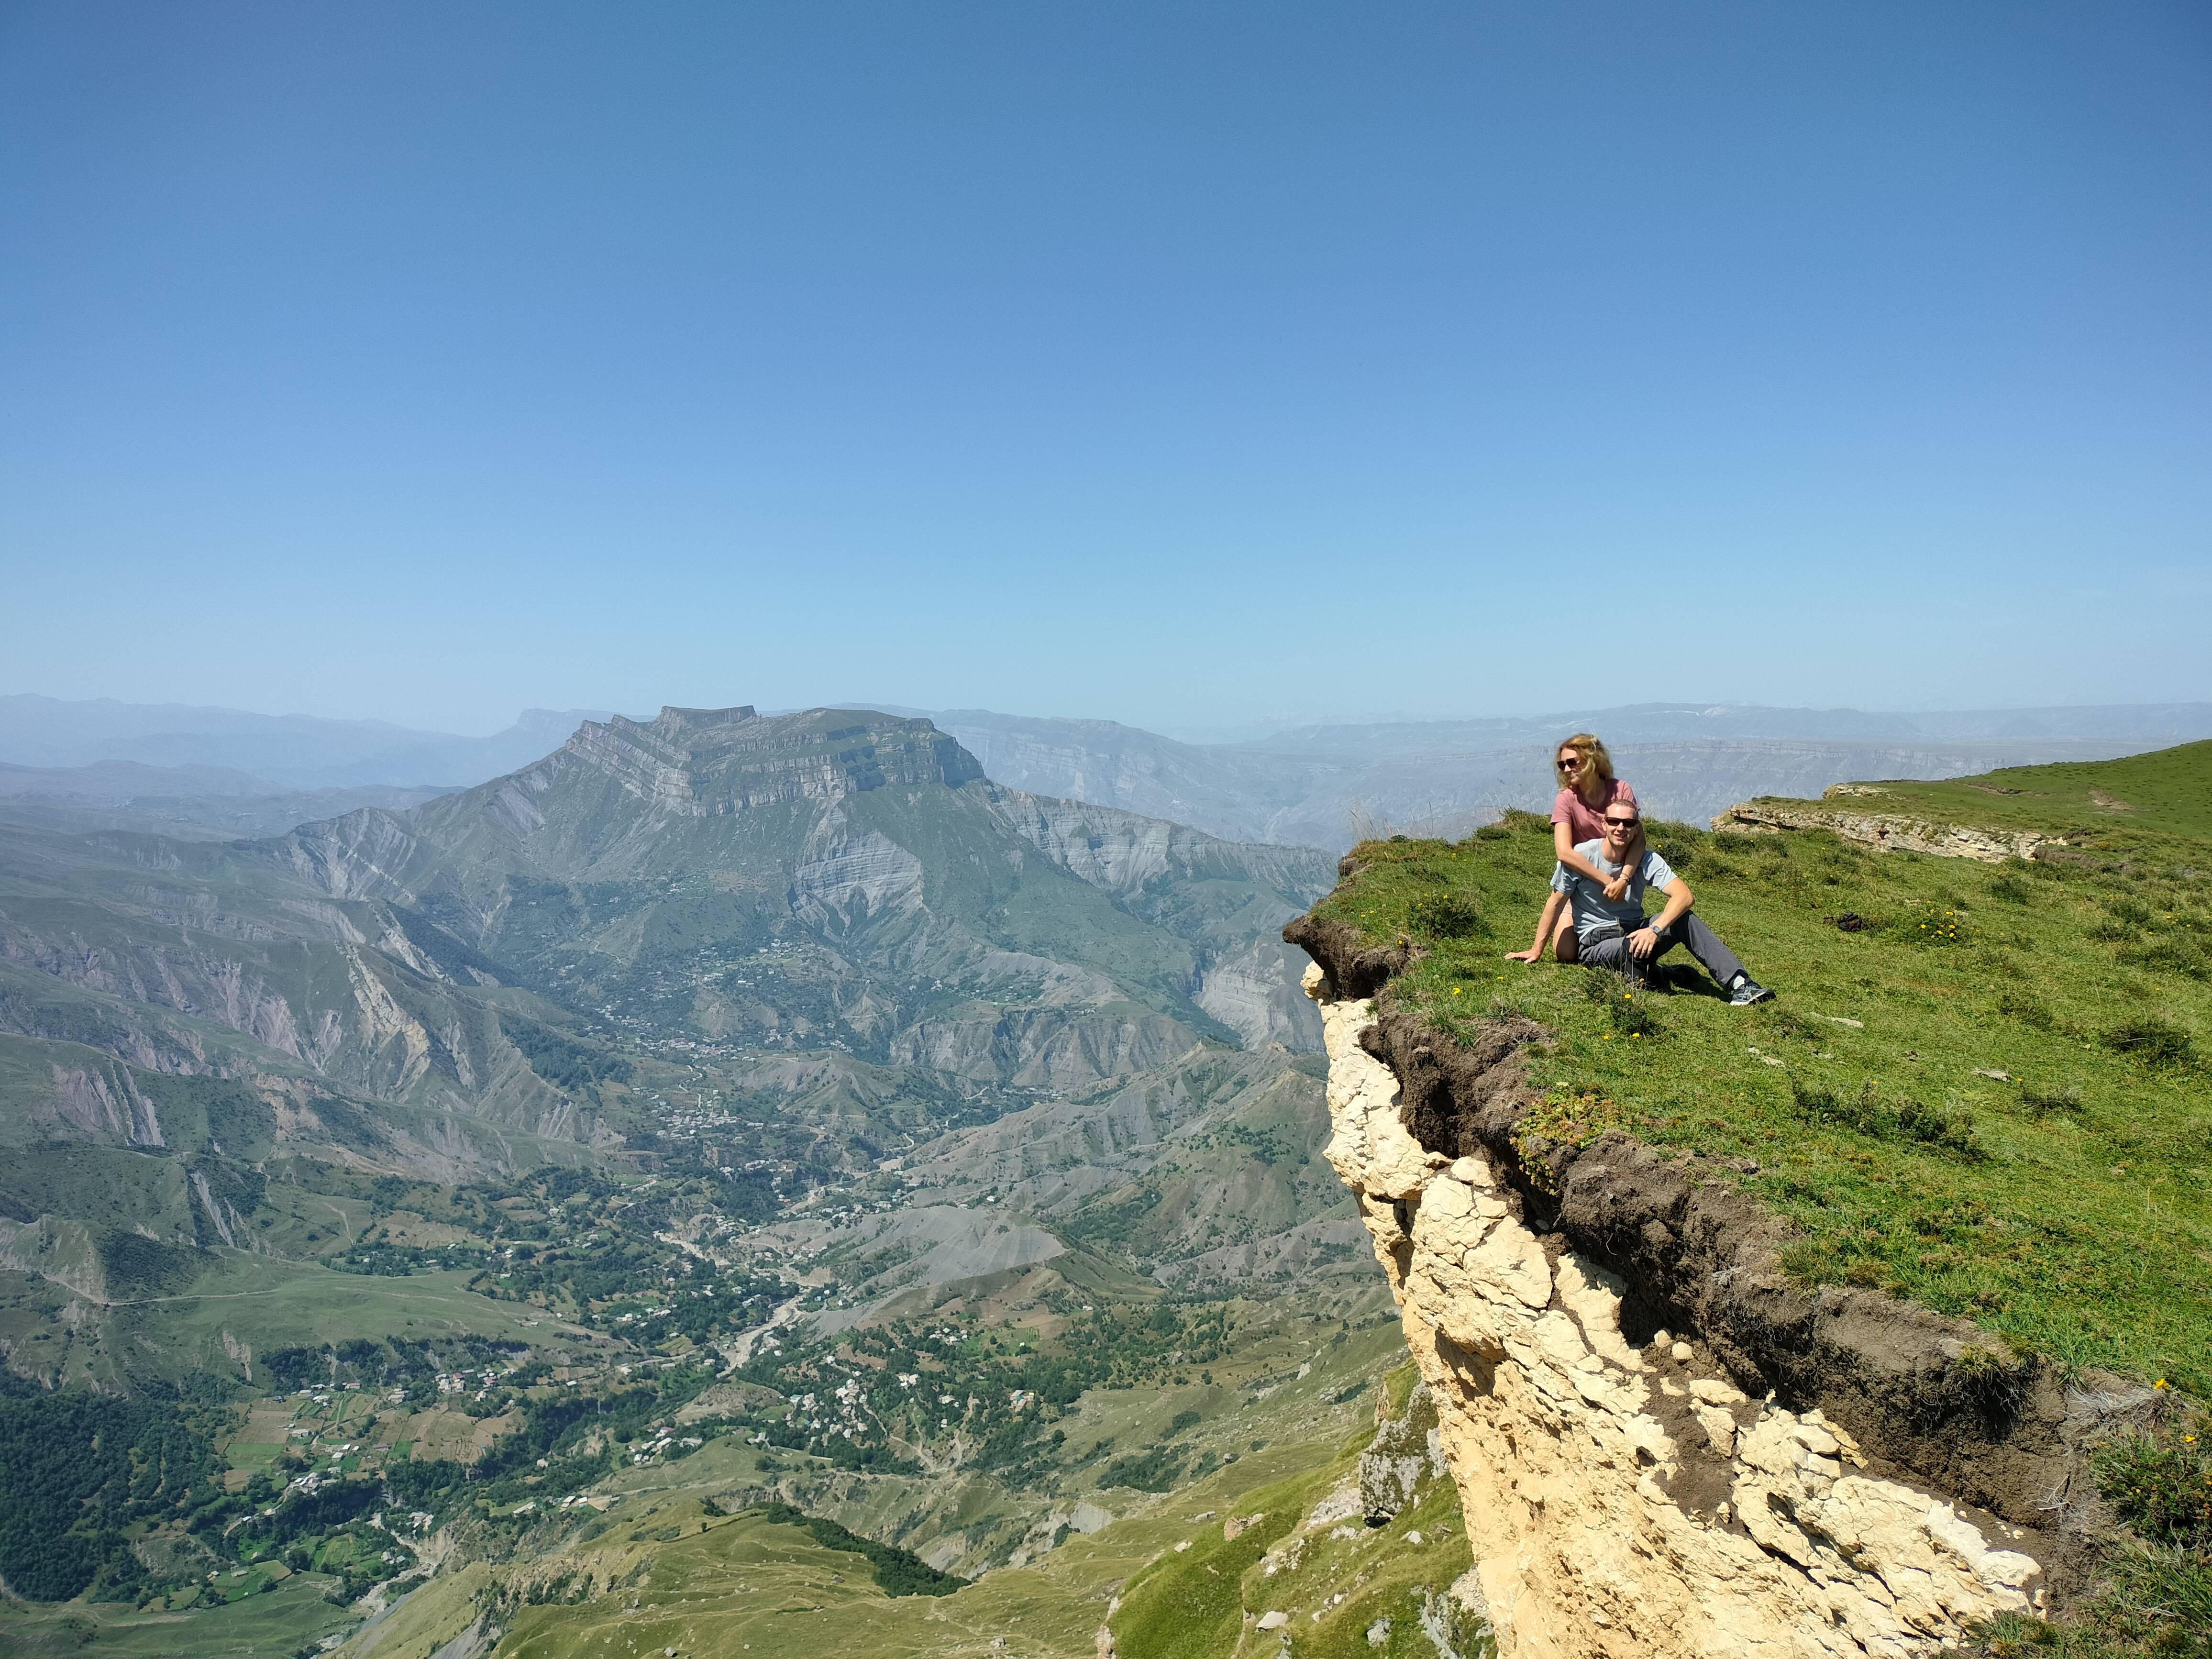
(1677, 722)
(297, 751)
(1324, 785)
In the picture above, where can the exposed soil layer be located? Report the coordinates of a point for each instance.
(1932, 1400)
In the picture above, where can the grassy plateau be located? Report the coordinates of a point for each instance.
(1981, 1087)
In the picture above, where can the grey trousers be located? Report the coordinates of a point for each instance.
(1715, 957)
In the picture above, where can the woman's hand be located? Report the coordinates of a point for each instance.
(1617, 889)
(1529, 955)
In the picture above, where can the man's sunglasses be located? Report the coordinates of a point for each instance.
(1622, 823)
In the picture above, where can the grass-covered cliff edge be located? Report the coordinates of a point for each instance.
(1955, 1186)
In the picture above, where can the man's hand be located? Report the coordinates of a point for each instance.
(1642, 943)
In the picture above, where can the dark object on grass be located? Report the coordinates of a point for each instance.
(1852, 922)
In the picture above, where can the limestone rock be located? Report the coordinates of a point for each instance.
(1881, 829)
(1402, 1458)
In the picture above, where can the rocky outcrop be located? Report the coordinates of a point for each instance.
(848, 878)
(1663, 1447)
(1888, 831)
(103, 1101)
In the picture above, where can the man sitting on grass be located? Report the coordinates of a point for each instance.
(1614, 933)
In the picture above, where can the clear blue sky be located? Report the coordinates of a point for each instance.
(1176, 363)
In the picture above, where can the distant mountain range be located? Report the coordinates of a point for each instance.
(1325, 786)
(295, 751)
(213, 802)
(1320, 785)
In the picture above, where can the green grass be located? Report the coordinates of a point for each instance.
(291, 1617)
(748, 1584)
(2168, 793)
(2067, 1205)
(1193, 1602)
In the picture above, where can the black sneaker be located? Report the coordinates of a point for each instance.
(1747, 991)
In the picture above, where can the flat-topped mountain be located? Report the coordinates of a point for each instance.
(705, 761)
(876, 838)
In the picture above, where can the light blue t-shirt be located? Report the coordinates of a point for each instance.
(1597, 917)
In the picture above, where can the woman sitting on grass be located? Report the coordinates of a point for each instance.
(1587, 787)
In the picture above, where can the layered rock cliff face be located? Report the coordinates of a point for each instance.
(1784, 1472)
(1891, 831)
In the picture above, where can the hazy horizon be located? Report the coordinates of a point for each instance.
(1183, 731)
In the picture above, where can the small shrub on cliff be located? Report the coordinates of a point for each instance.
(1628, 1008)
(1631, 1016)
(1563, 1120)
(1447, 915)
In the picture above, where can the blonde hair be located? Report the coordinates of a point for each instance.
(1589, 745)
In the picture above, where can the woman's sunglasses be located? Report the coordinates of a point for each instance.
(1573, 763)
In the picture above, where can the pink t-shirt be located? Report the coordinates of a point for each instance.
(1585, 821)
